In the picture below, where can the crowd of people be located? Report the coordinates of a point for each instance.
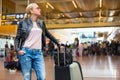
(88, 48)
(100, 48)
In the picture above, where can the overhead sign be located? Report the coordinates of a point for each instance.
(11, 19)
(12, 16)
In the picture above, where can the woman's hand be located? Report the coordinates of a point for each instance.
(21, 52)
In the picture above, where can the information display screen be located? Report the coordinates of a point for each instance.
(11, 19)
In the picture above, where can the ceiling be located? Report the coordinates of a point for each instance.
(85, 11)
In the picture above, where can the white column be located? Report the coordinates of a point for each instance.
(0, 10)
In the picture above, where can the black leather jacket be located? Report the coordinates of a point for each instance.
(23, 31)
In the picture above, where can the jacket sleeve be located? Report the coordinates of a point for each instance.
(49, 35)
(17, 38)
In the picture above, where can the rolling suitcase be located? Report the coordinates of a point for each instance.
(71, 71)
(76, 71)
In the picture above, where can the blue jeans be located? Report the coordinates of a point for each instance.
(33, 58)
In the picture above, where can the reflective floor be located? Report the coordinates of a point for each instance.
(93, 67)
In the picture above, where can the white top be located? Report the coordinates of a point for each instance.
(33, 41)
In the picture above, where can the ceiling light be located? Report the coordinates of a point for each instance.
(46, 6)
(50, 5)
(100, 4)
(74, 4)
(63, 15)
(58, 15)
(112, 13)
(110, 19)
(100, 13)
(81, 14)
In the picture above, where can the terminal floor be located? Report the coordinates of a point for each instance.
(93, 67)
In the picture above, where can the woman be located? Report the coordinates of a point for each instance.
(30, 42)
(75, 47)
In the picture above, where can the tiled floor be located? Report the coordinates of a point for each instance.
(93, 67)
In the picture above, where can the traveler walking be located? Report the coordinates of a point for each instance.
(30, 42)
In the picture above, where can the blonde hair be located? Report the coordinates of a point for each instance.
(28, 8)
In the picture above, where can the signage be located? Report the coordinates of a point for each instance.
(11, 19)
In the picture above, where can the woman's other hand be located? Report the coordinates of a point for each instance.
(21, 52)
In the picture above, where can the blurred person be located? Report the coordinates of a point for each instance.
(80, 49)
(11, 61)
(85, 48)
(30, 42)
(7, 50)
(75, 46)
(51, 48)
(67, 44)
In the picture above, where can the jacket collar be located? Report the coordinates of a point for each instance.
(30, 21)
(39, 22)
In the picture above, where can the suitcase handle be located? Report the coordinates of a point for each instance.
(58, 52)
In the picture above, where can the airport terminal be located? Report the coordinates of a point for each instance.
(89, 30)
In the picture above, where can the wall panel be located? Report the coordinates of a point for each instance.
(8, 6)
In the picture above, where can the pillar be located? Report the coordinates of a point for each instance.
(0, 10)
